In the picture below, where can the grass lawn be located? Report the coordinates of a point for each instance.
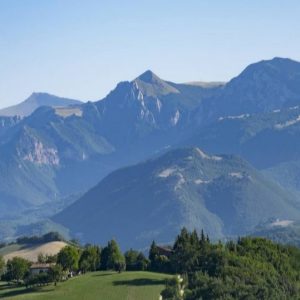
(97, 285)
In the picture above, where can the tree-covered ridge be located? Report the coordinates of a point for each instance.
(184, 187)
(46, 238)
(251, 268)
(289, 234)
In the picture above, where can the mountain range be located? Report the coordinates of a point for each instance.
(46, 153)
(64, 148)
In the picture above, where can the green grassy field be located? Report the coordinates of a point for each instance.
(95, 286)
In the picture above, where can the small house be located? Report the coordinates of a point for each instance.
(40, 268)
(165, 250)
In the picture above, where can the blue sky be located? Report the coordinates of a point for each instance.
(81, 49)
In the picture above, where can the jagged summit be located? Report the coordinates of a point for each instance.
(151, 85)
(148, 77)
(39, 97)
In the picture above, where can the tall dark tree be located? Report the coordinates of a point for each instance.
(2, 265)
(131, 259)
(90, 258)
(158, 262)
(104, 258)
(185, 251)
(17, 268)
(142, 262)
(112, 257)
(135, 261)
(68, 258)
(56, 273)
(153, 252)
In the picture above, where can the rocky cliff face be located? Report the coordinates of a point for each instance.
(143, 100)
(35, 151)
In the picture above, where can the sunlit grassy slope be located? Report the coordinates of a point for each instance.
(97, 285)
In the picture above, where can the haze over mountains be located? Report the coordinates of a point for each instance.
(34, 101)
(61, 150)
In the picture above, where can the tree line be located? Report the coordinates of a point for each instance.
(249, 268)
(72, 260)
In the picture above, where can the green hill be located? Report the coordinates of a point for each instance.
(97, 285)
(224, 195)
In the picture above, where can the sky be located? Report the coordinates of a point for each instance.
(82, 49)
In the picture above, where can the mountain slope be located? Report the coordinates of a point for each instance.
(264, 139)
(186, 187)
(8, 122)
(150, 110)
(280, 231)
(35, 101)
(287, 174)
(35, 153)
(262, 87)
(59, 151)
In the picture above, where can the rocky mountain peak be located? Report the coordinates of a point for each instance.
(276, 68)
(148, 77)
(153, 86)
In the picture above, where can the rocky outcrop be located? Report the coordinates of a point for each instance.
(33, 150)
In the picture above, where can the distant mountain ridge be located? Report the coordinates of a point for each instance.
(262, 87)
(264, 139)
(35, 101)
(284, 232)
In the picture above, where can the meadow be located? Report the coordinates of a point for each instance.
(96, 285)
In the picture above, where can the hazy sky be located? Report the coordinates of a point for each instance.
(81, 49)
